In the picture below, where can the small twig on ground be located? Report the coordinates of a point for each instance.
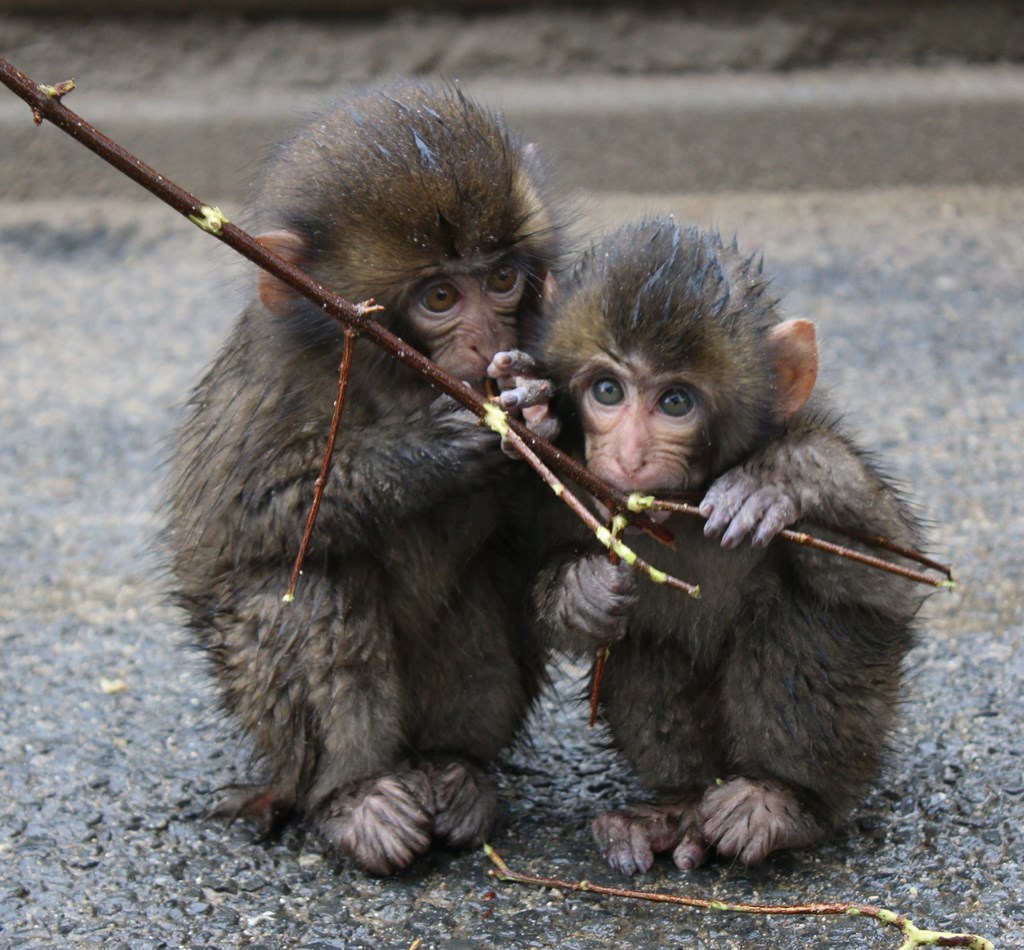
(913, 936)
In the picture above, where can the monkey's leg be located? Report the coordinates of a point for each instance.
(808, 694)
(474, 679)
(314, 683)
(653, 705)
(629, 838)
(367, 800)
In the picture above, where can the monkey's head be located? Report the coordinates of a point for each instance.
(425, 202)
(673, 356)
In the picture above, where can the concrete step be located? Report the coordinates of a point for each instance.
(822, 129)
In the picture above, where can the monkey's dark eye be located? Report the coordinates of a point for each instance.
(608, 391)
(503, 279)
(440, 298)
(676, 402)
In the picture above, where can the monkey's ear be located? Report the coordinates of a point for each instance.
(275, 295)
(795, 359)
(549, 291)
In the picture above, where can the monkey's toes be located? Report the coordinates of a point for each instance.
(748, 820)
(623, 842)
(691, 853)
(385, 824)
(465, 803)
(629, 839)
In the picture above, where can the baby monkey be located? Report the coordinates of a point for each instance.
(758, 714)
(377, 698)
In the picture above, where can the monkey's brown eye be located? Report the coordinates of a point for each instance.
(676, 402)
(608, 391)
(503, 279)
(440, 298)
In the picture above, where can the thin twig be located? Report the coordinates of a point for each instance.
(325, 465)
(913, 936)
(807, 540)
(911, 555)
(600, 661)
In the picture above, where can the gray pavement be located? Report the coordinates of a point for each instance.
(110, 308)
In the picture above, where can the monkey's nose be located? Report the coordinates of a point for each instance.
(628, 472)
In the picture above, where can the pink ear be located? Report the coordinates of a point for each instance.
(275, 295)
(794, 352)
(550, 291)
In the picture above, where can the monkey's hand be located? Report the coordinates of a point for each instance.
(523, 392)
(745, 502)
(597, 597)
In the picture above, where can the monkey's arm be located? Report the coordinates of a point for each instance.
(814, 474)
(383, 475)
(584, 596)
(810, 472)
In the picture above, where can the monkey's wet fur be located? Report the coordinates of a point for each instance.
(376, 700)
(758, 715)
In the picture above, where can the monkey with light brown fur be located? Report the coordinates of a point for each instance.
(376, 700)
(757, 715)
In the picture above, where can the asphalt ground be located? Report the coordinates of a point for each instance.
(109, 748)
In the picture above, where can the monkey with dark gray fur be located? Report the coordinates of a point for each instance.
(758, 714)
(376, 699)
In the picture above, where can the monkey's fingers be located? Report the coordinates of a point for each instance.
(623, 841)
(735, 515)
(510, 363)
(386, 824)
(541, 420)
(465, 803)
(538, 419)
(691, 853)
(526, 391)
(747, 820)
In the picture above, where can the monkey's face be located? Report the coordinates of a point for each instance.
(644, 429)
(463, 319)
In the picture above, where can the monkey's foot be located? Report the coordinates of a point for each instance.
(385, 823)
(268, 807)
(629, 839)
(465, 803)
(748, 820)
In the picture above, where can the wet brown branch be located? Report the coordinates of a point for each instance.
(913, 936)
